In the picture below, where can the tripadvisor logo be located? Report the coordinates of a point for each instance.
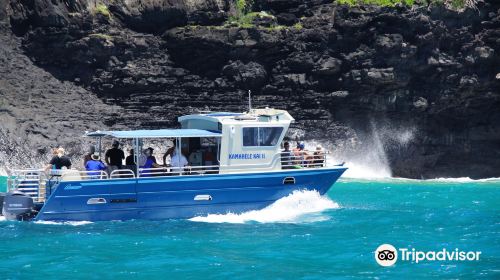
(387, 255)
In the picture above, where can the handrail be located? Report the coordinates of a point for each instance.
(286, 160)
(186, 170)
(122, 173)
(77, 175)
(28, 181)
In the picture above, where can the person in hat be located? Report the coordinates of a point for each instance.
(88, 155)
(94, 164)
(299, 153)
(114, 157)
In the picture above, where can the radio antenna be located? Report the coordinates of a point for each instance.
(249, 101)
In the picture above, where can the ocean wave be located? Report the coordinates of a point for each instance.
(419, 181)
(358, 171)
(298, 207)
(463, 180)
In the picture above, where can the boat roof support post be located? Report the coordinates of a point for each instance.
(136, 156)
(179, 150)
(99, 146)
(218, 150)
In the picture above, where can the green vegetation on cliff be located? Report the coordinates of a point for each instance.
(454, 4)
(102, 9)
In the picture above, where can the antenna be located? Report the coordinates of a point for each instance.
(249, 101)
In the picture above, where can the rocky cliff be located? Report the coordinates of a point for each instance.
(421, 85)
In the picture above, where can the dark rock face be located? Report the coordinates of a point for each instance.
(251, 75)
(424, 82)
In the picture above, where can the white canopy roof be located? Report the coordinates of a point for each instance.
(158, 133)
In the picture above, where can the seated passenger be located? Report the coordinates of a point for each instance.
(302, 157)
(298, 153)
(88, 156)
(95, 164)
(170, 152)
(286, 157)
(318, 157)
(196, 158)
(178, 161)
(146, 161)
(151, 154)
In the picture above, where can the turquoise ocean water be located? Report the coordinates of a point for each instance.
(303, 236)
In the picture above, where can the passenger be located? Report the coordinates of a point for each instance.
(298, 153)
(318, 157)
(170, 152)
(95, 164)
(146, 162)
(151, 150)
(178, 161)
(156, 165)
(114, 157)
(88, 156)
(302, 157)
(130, 160)
(55, 161)
(286, 157)
(65, 161)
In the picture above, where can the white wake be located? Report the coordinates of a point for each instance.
(71, 223)
(462, 180)
(298, 207)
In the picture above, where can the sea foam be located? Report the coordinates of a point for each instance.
(298, 207)
(71, 223)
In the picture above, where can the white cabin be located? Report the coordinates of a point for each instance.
(250, 140)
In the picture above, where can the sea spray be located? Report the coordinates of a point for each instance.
(293, 208)
(366, 156)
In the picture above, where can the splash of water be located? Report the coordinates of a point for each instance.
(298, 207)
(366, 157)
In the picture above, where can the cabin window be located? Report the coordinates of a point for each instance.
(261, 136)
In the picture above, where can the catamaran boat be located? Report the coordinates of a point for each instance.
(235, 165)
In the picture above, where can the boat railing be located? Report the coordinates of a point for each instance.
(77, 175)
(122, 174)
(303, 159)
(172, 171)
(306, 159)
(31, 182)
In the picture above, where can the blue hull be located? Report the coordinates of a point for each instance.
(157, 198)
